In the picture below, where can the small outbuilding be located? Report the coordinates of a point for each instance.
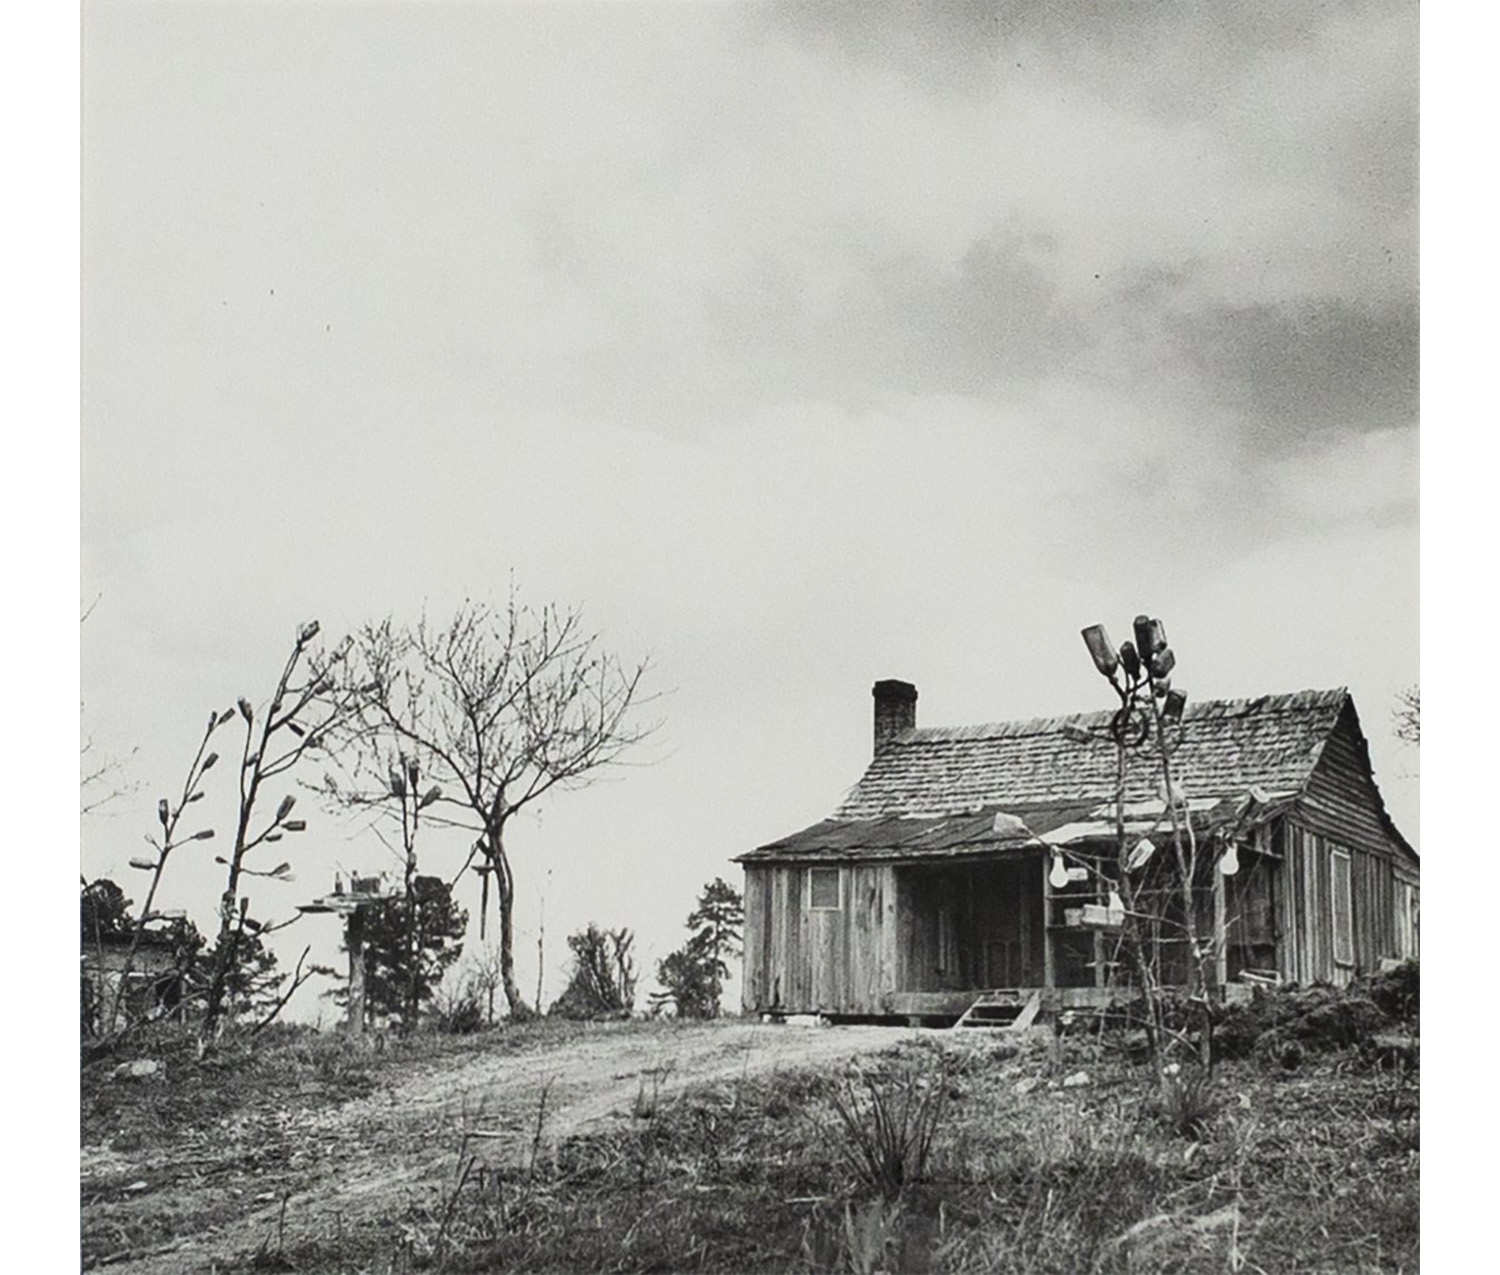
(970, 864)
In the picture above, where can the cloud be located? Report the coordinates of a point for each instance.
(1307, 367)
(1361, 477)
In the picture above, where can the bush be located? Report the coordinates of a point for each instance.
(1397, 992)
(603, 980)
(1283, 1024)
(462, 1017)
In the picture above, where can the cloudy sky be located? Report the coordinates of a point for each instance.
(799, 346)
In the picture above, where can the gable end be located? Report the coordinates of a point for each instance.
(1341, 801)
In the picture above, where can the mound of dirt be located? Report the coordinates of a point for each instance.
(1284, 1024)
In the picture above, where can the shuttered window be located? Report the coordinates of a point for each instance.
(1343, 913)
(1406, 920)
(823, 888)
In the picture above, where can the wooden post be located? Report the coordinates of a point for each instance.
(1100, 973)
(1049, 962)
(1221, 946)
(354, 940)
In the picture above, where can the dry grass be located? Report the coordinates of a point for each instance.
(1276, 1174)
(1259, 1170)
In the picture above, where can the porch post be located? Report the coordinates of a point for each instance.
(1049, 979)
(1221, 947)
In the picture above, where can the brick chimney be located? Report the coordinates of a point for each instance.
(895, 709)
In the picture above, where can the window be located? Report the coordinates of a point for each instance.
(824, 888)
(1343, 912)
(1406, 920)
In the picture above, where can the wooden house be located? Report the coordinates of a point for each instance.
(976, 862)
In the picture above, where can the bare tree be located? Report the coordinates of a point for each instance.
(483, 979)
(102, 778)
(506, 706)
(303, 716)
(1408, 715)
(168, 814)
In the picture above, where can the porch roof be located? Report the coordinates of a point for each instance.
(990, 832)
(985, 831)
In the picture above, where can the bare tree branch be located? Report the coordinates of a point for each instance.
(1408, 715)
(503, 708)
(277, 740)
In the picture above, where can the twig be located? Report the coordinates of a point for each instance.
(298, 978)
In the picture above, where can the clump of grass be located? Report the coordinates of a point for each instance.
(886, 1132)
(1187, 1102)
(648, 1095)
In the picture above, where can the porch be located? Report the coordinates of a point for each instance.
(1003, 930)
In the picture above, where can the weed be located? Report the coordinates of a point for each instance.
(646, 1103)
(869, 1238)
(1186, 1102)
(886, 1136)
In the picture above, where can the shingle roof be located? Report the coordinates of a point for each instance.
(1227, 746)
(935, 791)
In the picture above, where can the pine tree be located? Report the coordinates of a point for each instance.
(694, 974)
(440, 926)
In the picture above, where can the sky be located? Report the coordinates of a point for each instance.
(798, 346)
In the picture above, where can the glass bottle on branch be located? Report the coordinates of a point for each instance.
(1157, 894)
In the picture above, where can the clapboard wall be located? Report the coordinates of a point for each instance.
(1340, 817)
(804, 960)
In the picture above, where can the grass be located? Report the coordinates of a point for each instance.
(1258, 1170)
(1277, 1173)
(202, 1137)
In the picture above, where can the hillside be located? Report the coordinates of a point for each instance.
(735, 1147)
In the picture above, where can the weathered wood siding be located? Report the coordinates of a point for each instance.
(1308, 914)
(804, 960)
(897, 929)
(1341, 802)
(1340, 811)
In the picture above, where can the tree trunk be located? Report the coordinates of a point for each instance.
(354, 940)
(228, 903)
(413, 942)
(505, 897)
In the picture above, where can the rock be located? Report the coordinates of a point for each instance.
(1077, 1080)
(1027, 1085)
(139, 1069)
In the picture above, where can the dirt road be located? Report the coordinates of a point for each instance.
(315, 1176)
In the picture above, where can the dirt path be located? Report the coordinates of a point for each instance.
(344, 1167)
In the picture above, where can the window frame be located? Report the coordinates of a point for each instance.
(812, 892)
(1343, 926)
(1407, 943)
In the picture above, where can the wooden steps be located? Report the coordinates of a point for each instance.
(1006, 1009)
